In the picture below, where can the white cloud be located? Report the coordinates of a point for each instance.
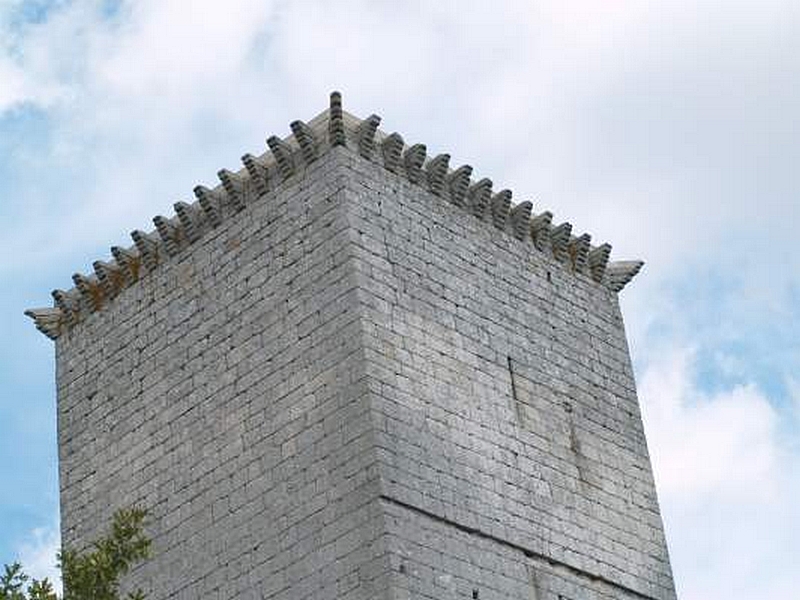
(532, 94)
(12, 92)
(727, 479)
(38, 555)
(178, 50)
(793, 386)
(720, 447)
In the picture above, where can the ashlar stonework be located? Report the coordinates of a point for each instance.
(351, 371)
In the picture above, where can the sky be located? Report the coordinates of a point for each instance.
(670, 129)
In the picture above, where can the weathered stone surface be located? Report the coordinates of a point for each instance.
(413, 159)
(309, 147)
(227, 392)
(47, 320)
(366, 135)
(258, 172)
(352, 388)
(234, 186)
(507, 420)
(478, 197)
(188, 220)
(597, 260)
(283, 156)
(540, 230)
(520, 218)
(209, 202)
(501, 206)
(169, 233)
(336, 132)
(147, 247)
(392, 149)
(437, 169)
(458, 182)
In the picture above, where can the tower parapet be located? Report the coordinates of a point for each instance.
(285, 159)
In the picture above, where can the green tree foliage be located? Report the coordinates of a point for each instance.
(90, 575)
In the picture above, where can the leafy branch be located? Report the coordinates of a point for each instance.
(90, 575)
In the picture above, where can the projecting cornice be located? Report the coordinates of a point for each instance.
(286, 159)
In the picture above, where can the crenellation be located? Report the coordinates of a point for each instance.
(559, 241)
(620, 273)
(366, 135)
(336, 130)
(392, 150)
(90, 291)
(147, 247)
(169, 233)
(188, 221)
(234, 187)
(579, 252)
(282, 153)
(47, 320)
(306, 139)
(541, 226)
(500, 205)
(437, 170)
(597, 260)
(258, 172)
(110, 276)
(520, 218)
(68, 304)
(209, 201)
(213, 207)
(413, 159)
(458, 184)
(479, 196)
(128, 261)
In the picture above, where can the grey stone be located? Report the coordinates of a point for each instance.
(353, 388)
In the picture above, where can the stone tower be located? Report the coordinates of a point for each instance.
(352, 372)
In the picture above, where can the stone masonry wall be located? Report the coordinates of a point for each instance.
(504, 405)
(225, 392)
(432, 558)
(354, 389)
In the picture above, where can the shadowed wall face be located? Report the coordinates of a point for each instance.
(505, 408)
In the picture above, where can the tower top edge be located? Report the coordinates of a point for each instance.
(285, 159)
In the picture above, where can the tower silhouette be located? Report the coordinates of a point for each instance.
(351, 371)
